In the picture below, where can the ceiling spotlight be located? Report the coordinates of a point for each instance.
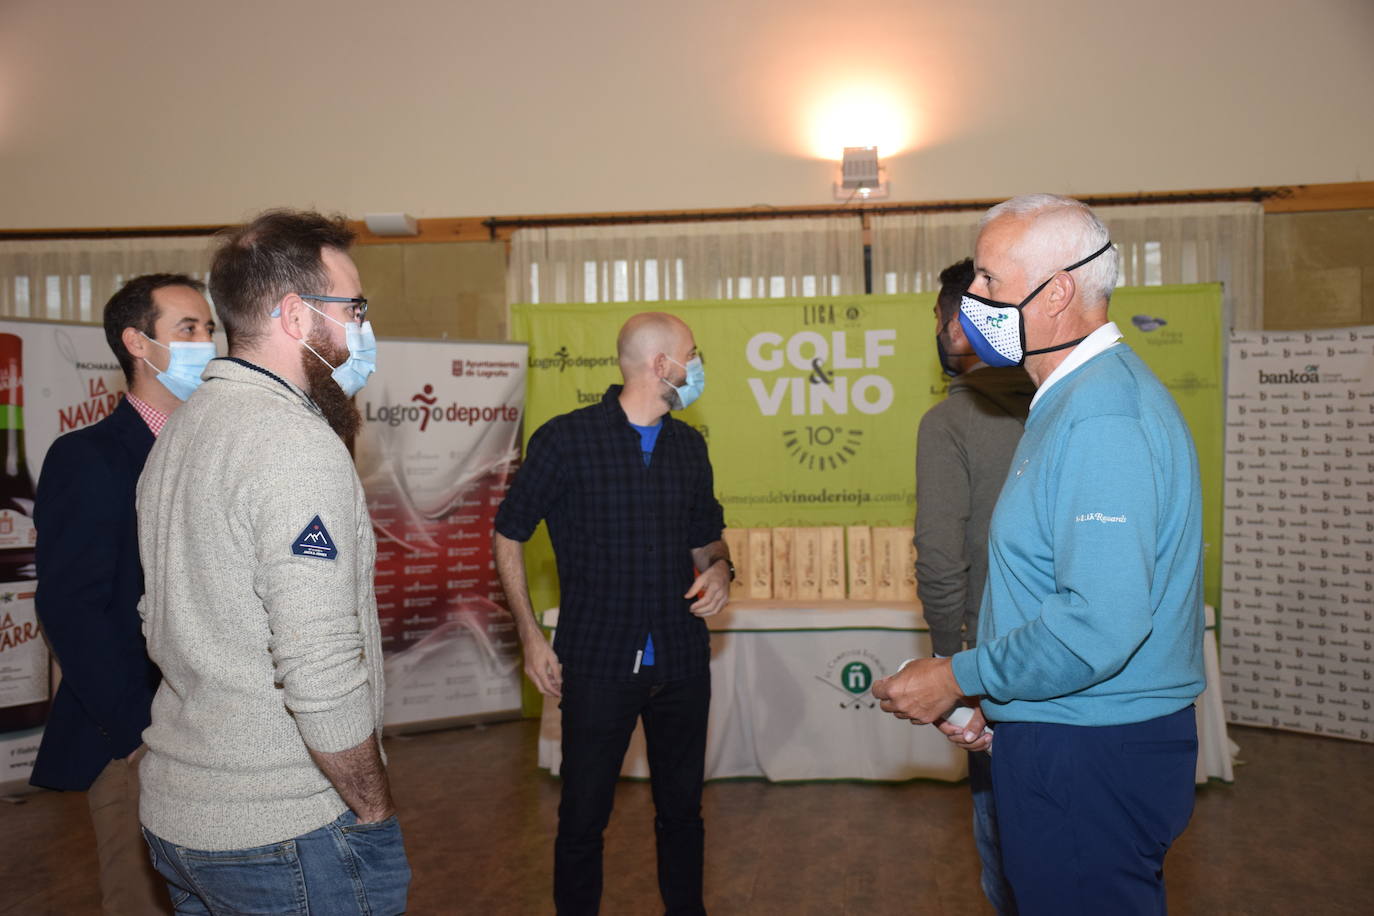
(862, 176)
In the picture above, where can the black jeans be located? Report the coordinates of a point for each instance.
(598, 720)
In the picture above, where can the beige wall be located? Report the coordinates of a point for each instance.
(455, 290)
(157, 112)
(1319, 269)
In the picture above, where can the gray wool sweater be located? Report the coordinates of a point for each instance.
(964, 448)
(258, 559)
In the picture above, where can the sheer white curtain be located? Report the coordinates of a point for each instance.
(1167, 244)
(71, 279)
(1160, 244)
(910, 249)
(743, 259)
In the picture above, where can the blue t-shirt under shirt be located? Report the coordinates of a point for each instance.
(648, 435)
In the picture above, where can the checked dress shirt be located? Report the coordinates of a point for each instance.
(622, 533)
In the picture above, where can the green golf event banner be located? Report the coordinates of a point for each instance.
(811, 405)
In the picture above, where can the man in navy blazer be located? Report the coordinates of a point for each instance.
(90, 580)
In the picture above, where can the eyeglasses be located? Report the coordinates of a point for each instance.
(357, 309)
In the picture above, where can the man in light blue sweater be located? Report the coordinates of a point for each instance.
(1089, 650)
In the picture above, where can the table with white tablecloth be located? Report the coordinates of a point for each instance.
(790, 700)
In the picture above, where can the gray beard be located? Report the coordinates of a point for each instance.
(671, 397)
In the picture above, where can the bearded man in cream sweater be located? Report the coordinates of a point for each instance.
(264, 788)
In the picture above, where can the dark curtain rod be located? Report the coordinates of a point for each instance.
(496, 223)
(24, 235)
(1258, 195)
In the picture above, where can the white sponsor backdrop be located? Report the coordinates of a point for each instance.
(1298, 574)
(441, 436)
(433, 484)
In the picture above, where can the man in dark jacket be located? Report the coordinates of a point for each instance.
(963, 450)
(90, 579)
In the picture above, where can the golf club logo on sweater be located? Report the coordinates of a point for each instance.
(315, 542)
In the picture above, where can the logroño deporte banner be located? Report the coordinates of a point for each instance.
(440, 437)
(811, 405)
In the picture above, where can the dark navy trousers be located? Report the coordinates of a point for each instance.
(1087, 814)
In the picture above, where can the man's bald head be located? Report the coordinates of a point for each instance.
(645, 336)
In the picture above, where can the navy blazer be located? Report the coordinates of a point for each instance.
(89, 584)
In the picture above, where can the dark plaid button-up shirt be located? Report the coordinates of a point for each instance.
(622, 534)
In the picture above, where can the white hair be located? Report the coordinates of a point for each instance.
(1064, 231)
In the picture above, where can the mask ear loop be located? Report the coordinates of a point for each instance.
(1021, 325)
(1077, 264)
(1021, 316)
(306, 343)
(675, 363)
(147, 362)
(1072, 267)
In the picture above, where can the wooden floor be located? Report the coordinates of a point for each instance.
(1293, 835)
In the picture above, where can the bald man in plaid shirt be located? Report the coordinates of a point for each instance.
(628, 496)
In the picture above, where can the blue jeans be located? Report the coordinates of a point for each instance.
(986, 836)
(341, 868)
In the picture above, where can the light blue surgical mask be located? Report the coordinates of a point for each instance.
(351, 375)
(189, 359)
(691, 389)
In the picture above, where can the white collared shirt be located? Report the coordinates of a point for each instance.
(1104, 338)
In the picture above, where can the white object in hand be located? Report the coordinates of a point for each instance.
(959, 717)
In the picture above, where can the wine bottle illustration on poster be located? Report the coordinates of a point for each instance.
(23, 653)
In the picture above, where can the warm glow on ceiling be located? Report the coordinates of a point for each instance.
(859, 115)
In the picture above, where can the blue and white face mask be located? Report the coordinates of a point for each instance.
(189, 359)
(352, 374)
(687, 393)
(997, 330)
